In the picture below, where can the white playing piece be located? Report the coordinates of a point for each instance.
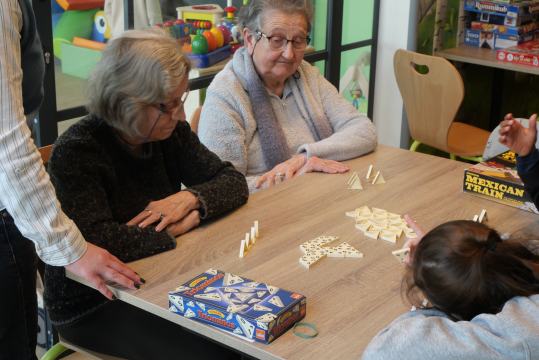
(306, 248)
(229, 317)
(352, 253)
(272, 289)
(231, 279)
(276, 301)
(364, 225)
(413, 308)
(258, 307)
(326, 240)
(370, 173)
(236, 308)
(261, 293)
(312, 258)
(247, 240)
(243, 297)
(232, 290)
(173, 308)
(242, 248)
(388, 236)
(355, 183)
(211, 296)
(262, 325)
(251, 284)
(181, 289)
(253, 236)
(353, 176)
(410, 234)
(191, 304)
(211, 272)
(209, 288)
(246, 326)
(177, 301)
(396, 230)
(475, 217)
(266, 317)
(364, 208)
(227, 295)
(401, 254)
(201, 305)
(483, 216)
(189, 313)
(256, 228)
(372, 234)
(246, 290)
(238, 331)
(352, 213)
(378, 179)
(425, 303)
(254, 300)
(235, 301)
(335, 252)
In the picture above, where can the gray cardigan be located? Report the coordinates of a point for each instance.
(228, 128)
(513, 333)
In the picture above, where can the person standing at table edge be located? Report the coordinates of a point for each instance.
(32, 220)
(521, 141)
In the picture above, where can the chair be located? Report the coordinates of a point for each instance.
(195, 118)
(45, 152)
(431, 101)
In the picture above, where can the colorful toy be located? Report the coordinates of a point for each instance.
(212, 43)
(355, 79)
(101, 31)
(89, 44)
(219, 38)
(230, 18)
(200, 45)
(79, 23)
(81, 4)
(226, 34)
(201, 17)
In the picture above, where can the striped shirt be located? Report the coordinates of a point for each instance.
(25, 189)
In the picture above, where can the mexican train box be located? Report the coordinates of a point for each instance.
(497, 179)
(238, 305)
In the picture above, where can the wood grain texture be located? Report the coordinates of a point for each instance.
(349, 300)
(484, 57)
(432, 101)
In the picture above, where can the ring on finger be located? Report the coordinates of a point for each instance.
(149, 211)
(280, 175)
(161, 216)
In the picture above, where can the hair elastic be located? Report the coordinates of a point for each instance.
(303, 335)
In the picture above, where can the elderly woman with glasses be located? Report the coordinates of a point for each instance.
(271, 114)
(118, 174)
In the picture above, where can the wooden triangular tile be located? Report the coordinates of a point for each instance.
(355, 184)
(378, 179)
(370, 173)
(354, 175)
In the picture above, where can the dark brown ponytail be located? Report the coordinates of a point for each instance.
(465, 269)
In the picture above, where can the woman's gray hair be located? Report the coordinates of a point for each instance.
(251, 15)
(138, 68)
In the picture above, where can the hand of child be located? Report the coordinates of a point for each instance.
(412, 243)
(516, 137)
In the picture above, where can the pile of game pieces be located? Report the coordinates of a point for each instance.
(380, 223)
(317, 249)
(481, 218)
(249, 241)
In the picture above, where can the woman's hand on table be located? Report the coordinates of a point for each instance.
(182, 226)
(412, 243)
(171, 210)
(298, 165)
(516, 137)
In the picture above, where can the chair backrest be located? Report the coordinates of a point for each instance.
(195, 118)
(431, 100)
(45, 152)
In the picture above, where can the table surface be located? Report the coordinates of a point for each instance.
(485, 57)
(349, 300)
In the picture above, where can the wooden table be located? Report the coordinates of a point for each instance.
(488, 57)
(349, 300)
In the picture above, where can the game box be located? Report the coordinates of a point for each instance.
(238, 305)
(526, 54)
(497, 179)
(497, 41)
(504, 29)
(514, 9)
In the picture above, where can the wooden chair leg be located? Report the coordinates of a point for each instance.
(414, 146)
(54, 352)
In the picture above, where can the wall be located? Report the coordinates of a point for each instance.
(394, 31)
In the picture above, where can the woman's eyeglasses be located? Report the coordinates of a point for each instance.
(279, 43)
(164, 110)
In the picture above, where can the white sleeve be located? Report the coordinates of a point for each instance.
(25, 189)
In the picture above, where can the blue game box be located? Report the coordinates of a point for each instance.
(491, 40)
(238, 305)
(514, 9)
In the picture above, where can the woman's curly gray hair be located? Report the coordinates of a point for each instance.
(251, 16)
(138, 68)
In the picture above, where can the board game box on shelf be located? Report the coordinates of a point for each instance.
(497, 41)
(526, 54)
(504, 29)
(513, 9)
(238, 305)
(497, 179)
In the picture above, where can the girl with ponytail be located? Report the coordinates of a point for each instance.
(484, 296)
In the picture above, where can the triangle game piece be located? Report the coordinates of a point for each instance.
(231, 279)
(370, 173)
(211, 272)
(272, 289)
(483, 217)
(378, 179)
(261, 308)
(211, 296)
(276, 301)
(401, 254)
(189, 313)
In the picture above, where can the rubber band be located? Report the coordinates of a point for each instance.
(303, 335)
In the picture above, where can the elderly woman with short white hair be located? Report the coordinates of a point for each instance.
(118, 174)
(270, 113)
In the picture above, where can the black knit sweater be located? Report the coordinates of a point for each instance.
(102, 185)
